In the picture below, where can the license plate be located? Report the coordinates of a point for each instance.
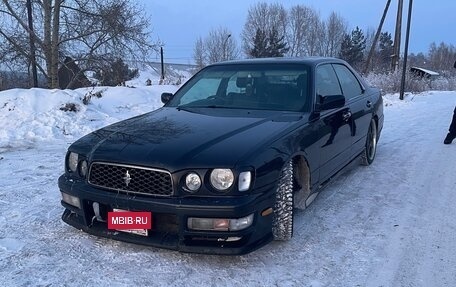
(134, 222)
(142, 232)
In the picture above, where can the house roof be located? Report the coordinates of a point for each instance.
(425, 71)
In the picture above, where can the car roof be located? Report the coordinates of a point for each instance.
(311, 61)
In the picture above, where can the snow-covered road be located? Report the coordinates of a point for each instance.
(390, 224)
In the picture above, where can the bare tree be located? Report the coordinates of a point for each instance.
(375, 57)
(299, 21)
(199, 54)
(316, 34)
(92, 32)
(219, 45)
(265, 17)
(442, 57)
(306, 32)
(336, 28)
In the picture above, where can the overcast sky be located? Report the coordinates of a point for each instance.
(178, 23)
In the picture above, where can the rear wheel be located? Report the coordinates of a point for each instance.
(282, 224)
(370, 149)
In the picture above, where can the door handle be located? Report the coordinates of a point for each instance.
(346, 115)
(369, 104)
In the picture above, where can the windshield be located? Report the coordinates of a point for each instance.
(260, 86)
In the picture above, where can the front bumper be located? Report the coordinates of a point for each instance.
(170, 218)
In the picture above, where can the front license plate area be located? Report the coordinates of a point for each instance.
(142, 232)
(134, 222)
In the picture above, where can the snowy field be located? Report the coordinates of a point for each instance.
(390, 224)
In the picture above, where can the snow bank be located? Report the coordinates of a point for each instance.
(28, 116)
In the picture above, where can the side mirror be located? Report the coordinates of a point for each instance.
(165, 97)
(455, 64)
(331, 102)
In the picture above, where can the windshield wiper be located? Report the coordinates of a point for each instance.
(205, 107)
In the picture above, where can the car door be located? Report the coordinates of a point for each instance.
(335, 131)
(360, 107)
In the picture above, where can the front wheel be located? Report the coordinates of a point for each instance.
(282, 224)
(370, 148)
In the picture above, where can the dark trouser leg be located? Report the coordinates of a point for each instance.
(453, 123)
(452, 130)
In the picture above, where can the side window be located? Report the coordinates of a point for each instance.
(350, 84)
(326, 82)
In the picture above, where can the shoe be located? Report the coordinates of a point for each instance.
(449, 138)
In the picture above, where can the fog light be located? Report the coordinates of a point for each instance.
(220, 224)
(71, 200)
(200, 223)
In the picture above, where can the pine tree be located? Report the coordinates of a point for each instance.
(276, 45)
(268, 45)
(386, 51)
(359, 45)
(352, 48)
(260, 45)
(117, 74)
(346, 48)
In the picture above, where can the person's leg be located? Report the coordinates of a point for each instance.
(453, 123)
(452, 130)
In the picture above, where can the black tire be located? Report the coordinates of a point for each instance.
(282, 224)
(370, 148)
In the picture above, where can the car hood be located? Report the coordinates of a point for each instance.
(175, 139)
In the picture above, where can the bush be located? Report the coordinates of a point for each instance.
(88, 97)
(391, 83)
(116, 74)
(70, 107)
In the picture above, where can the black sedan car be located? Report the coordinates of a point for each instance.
(221, 166)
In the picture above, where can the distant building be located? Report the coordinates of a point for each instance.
(423, 73)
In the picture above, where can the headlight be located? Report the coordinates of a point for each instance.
(73, 161)
(192, 182)
(222, 179)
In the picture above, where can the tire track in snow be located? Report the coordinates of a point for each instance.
(409, 255)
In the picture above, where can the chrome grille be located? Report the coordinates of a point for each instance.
(131, 179)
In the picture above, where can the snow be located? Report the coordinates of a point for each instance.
(389, 224)
(174, 73)
(32, 116)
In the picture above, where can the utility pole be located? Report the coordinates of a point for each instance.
(407, 36)
(374, 44)
(397, 37)
(162, 79)
(32, 44)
